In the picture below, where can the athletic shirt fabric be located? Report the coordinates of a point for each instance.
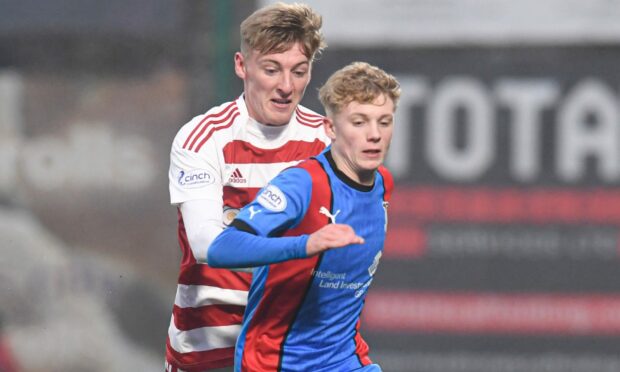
(304, 314)
(224, 155)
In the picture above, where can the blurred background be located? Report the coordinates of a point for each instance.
(503, 246)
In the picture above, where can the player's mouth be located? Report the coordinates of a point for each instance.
(281, 102)
(372, 153)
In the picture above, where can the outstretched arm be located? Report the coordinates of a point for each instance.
(238, 248)
(331, 236)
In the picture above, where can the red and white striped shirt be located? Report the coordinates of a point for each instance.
(225, 156)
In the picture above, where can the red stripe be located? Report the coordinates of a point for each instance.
(199, 361)
(216, 114)
(492, 313)
(309, 116)
(388, 182)
(361, 347)
(272, 318)
(207, 316)
(501, 205)
(242, 152)
(309, 123)
(239, 197)
(222, 278)
(213, 129)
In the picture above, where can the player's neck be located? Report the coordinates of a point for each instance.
(364, 179)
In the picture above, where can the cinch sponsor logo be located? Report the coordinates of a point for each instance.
(195, 178)
(272, 198)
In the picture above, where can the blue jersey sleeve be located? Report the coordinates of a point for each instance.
(238, 248)
(254, 238)
(280, 205)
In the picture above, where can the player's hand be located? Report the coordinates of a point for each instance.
(331, 236)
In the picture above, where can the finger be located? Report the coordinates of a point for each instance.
(351, 239)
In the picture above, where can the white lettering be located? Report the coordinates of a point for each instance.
(589, 126)
(414, 91)
(91, 157)
(47, 164)
(475, 156)
(526, 99)
(461, 129)
(272, 198)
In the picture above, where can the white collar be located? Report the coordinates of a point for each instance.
(256, 128)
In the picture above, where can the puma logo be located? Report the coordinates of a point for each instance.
(332, 217)
(253, 212)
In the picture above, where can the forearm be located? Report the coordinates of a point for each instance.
(235, 248)
(203, 222)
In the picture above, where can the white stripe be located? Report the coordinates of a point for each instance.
(202, 339)
(202, 295)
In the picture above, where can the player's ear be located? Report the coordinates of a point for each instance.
(330, 129)
(240, 65)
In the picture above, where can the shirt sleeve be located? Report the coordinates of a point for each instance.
(194, 175)
(203, 222)
(235, 248)
(279, 206)
(255, 238)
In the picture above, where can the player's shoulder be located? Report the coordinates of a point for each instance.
(385, 173)
(387, 177)
(194, 134)
(307, 117)
(314, 169)
(295, 176)
(310, 165)
(310, 125)
(294, 182)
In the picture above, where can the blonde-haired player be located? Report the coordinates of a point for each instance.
(220, 159)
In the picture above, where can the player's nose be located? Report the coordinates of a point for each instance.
(285, 84)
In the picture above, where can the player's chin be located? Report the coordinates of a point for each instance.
(373, 160)
(370, 166)
(280, 117)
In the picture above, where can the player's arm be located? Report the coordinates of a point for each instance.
(195, 183)
(203, 222)
(253, 238)
(331, 236)
(277, 207)
(239, 246)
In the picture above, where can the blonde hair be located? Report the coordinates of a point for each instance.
(274, 28)
(359, 82)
